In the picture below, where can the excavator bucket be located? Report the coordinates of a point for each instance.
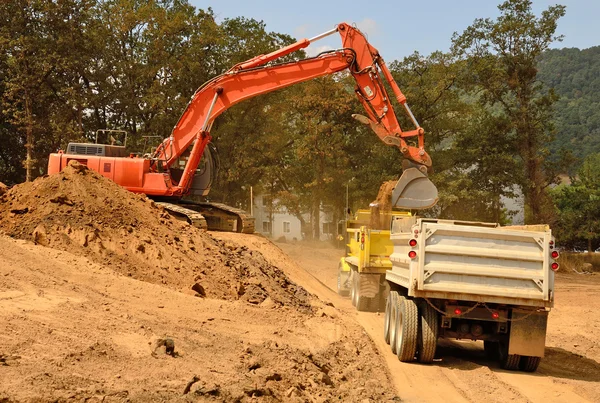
(414, 191)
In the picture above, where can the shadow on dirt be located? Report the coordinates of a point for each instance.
(557, 362)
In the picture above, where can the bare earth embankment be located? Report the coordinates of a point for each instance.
(96, 304)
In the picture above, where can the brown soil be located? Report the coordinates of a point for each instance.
(3, 188)
(91, 302)
(82, 212)
(381, 207)
(384, 197)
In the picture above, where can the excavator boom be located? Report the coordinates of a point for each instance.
(256, 76)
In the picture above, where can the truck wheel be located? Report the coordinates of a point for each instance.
(428, 332)
(407, 329)
(361, 303)
(393, 328)
(388, 313)
(529, 364)
(508, 361)
(342, 281)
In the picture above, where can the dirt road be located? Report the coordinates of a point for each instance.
(570, 372)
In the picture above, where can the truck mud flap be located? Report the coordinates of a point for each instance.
(368, 283)
(528, 333)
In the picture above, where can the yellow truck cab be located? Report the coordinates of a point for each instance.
(361, 273)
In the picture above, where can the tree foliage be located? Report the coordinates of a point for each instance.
(578, 204)
(502, 56)
(575, 76)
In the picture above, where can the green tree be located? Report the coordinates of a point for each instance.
(37, 42)
(502, 57)
(578, 207)
(575, 76)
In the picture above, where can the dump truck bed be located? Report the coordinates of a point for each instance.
(473, 261)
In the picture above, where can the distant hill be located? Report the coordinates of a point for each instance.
(575, 76)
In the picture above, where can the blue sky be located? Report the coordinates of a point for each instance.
(398, 28)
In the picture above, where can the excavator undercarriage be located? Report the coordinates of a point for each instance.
(211, 216)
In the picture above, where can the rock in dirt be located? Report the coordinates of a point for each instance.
(200, 292)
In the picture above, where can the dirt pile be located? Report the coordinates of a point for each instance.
(3, 188)
(84, 213)
(73, 330)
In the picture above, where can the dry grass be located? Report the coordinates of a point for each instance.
(580, 262)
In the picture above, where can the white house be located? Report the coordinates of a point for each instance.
(277, 222)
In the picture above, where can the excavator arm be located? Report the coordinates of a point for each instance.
(258, 76)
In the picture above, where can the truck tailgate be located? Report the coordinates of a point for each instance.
(475, 263)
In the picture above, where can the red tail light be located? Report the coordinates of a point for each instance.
(412, 243)
(495, 315)
(551, 242)
(412, 254)
(554, 254)
(554, 266)
(457, 311)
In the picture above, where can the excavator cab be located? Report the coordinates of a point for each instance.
(414, 190)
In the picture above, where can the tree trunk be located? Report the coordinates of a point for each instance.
(29, 138)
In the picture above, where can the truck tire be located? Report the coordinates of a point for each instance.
(407, 329)
(342, 282)
(391, 299)
(529, 364)
(508, 361)
(428, 333)
(361, 303)
(393, 329)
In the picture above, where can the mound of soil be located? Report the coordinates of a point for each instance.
(73, 330)
(84, 213)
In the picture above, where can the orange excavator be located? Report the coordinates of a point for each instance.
(185, 163)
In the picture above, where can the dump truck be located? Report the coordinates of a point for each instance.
(469, 281)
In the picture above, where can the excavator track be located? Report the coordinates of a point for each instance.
(221, 217)
(212, 216)
(191, 216)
